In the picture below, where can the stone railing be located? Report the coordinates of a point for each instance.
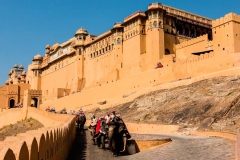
(52, 143)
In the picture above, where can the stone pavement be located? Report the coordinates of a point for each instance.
(181, 148)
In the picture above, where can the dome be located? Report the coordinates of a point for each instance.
(24, 73)
(81, 31)
(10, 72)
(15, 66)
(11, 81)
(21, 67)
(48, 46)
(19, 76)
(37, 57)
(7, 82)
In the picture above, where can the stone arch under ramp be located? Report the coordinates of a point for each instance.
(7, 154)
(33, 150)
(41, 149)
(23, 153)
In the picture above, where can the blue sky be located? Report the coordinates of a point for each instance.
(26, 26)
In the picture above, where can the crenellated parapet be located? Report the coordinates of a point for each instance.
(192, 41)
(227, 18)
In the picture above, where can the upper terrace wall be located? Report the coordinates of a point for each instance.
(185, 49)
(46, 143)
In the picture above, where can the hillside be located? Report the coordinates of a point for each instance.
(212, 104)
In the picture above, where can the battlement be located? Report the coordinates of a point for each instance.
(192, 41)
(227, 18)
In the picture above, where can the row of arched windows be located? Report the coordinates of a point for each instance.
(155, 14)
(131, 25)
(155, 24)
(130, 34)
(99, 44)
(101, 51)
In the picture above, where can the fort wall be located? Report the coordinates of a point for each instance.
(114, 91)
(51, 142)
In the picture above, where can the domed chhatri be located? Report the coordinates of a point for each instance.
(21, 67)
(15, 66)
(7, 82)
(81, 31)
(10, 72)
(48, 46)
(37, 57)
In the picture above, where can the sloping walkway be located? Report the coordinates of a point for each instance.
(181, 148)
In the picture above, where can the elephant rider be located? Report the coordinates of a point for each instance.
(81, 119)
(92, 127)
(112, 134)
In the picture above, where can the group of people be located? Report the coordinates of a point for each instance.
(112, 128)
(63, 111)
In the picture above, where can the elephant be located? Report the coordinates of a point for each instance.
(117, 134)
(80, 120)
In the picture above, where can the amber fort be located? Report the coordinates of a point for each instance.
(155, 47)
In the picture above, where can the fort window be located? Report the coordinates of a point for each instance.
(118, 41)
(218, 45)
(167, 21)
(223, 49)
(155, 24)
(91, 55)
(167, 51)
(150, 24)
(154, 14)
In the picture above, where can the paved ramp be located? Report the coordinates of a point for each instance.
(181, 148)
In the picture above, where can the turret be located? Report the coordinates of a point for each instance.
(81, 34)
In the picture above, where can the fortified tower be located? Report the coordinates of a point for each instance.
(155, 34)
(35, 74)
(78, 44)
(226, 34)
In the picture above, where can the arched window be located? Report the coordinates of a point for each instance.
(136, 31)
(167, 51)
(131, 34)
(155, 24)
(187, 32)
(150, 24)
(118, 41)
(154, 14)
(160, 25)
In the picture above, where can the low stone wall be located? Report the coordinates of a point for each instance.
(48, 143)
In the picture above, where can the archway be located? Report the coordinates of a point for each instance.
(12, 103)
(34, 102)
(167, 51)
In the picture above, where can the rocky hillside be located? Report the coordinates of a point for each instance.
(212, 104)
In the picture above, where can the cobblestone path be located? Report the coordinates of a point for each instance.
(181, 148)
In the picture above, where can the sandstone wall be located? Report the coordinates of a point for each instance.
(52, 142)
(195, 68)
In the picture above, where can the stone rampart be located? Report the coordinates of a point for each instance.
(227, 18)
(48, 143)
